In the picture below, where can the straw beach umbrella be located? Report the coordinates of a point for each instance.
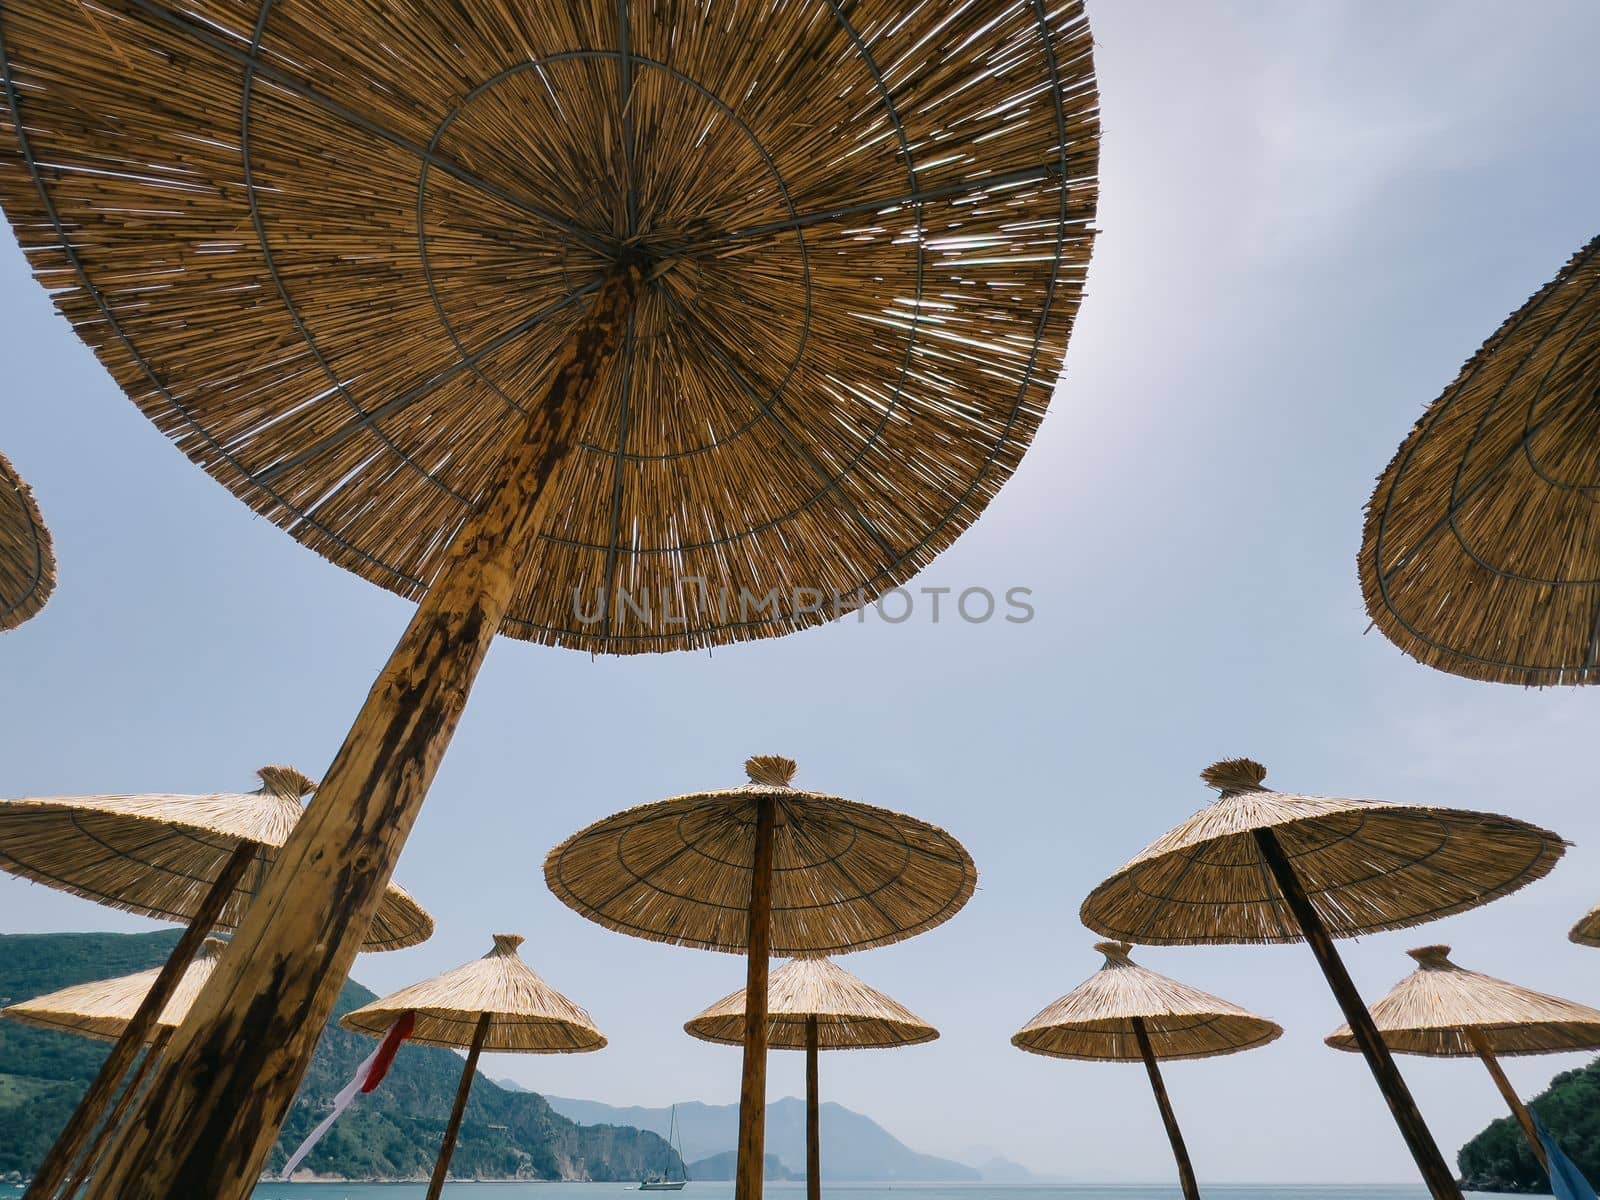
(104, 1009)
(759, 870)
(1264, 866)
(1444, 1011)
(1587, 931)
(496, 1003)
(1125, 1013)
(507, 306)
(198, 860)
(27, 555)
(814, 1004)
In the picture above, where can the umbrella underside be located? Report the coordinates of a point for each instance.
(1481, 553)
(864, 236)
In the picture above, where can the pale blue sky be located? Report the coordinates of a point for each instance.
(1312, 214)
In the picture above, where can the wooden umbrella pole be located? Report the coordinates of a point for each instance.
(1514, 1101)
(750, 1171)
(813, 1116)
(1436, 1174)
(1191, 1189)
(447, 1148)
(124, 1102)
(74, 1139)
(230, 1075)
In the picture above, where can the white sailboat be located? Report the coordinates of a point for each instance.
(662, 1183)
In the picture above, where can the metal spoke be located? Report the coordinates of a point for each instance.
(411, 395)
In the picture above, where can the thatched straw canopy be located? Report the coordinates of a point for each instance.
(158, 855)
(526, 1015)
(1096, 1019)
(846, 876)
(1587, 931)
(1432, 1010)
(27, 556)
(1481, 554)
(865, 233)
(849, 1014)
(1365, 865)
(102, 1009)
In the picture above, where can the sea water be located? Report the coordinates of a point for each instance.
(864, 1191)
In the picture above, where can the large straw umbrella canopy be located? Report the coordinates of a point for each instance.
(763, 869)
(161, 855)
(27, 555)
(1481, 553)
(1266, 866)
(624, 327)
(497, 1003)
(1127, 1013)
(1445, 1011)
(814, 1004)
(103, 1008)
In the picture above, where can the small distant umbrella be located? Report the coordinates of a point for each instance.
(1265, 866)
(814, 1004)
(496, 1003)
(1587, 931)
(27, 556)
(1444, 1011)
(1125, 1013)
(103, 1009)
(758, 870)
(192, 859)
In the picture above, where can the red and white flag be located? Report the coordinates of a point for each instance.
(368, 1076)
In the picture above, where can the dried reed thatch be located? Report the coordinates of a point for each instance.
(331, 250)
(1095, 1020)
(525, 1014)
(1481, 554)
(27, 555)
(158, 855)
(846, 875)
(849, 1014)
(1438, 1008)
(1587, 931)
(102, 1009)
(1366, 866)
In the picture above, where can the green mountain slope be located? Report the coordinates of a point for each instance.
(855, 1148)
(391, 1134)
(1499, 1160)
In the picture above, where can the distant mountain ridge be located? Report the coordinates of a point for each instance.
(855, 1148)
(390, 1134)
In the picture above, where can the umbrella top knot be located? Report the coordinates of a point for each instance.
(1235, 775)
(212, 947)
(1432, 958)
(770, 770)
(285, 782)
(1116, 952)
(507, 943)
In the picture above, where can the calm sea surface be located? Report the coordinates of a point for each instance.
(796, 1191)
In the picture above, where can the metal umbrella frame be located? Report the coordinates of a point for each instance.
(197, 860)
(1445, 1011)
(498, 303)
(759, 870)
(104, 1009)
(814, 1004)
(496, 1003)
(1260, 866)
(1127, 1013)
(27, 553)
